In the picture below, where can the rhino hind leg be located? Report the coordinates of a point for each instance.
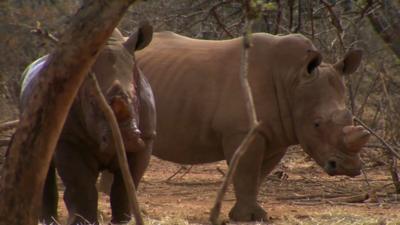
(247, 178)
(105, 182)
(50, 197)
(78, 171)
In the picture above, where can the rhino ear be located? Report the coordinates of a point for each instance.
(140, 39)
(350, 62)
(314, 59)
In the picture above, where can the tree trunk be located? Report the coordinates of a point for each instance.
(386, 22)
(40, 125)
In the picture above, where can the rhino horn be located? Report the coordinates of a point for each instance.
(342, 117)
(355, 137)
(139, 39)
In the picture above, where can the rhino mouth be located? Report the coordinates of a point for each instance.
(333, 169)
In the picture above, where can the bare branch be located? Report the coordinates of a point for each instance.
(278, 16)
(46, 34)
(388, 147)
(335, 22)
(120, 150)
(254, 124)
(9, 125)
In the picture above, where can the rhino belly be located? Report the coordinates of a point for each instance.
(189, 151)
(184, 123)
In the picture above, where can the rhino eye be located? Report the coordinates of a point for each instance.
(312, 73)
(317, 123)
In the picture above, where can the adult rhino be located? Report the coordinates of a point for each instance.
(86, 146)
(202, 116)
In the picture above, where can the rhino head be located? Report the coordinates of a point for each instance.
(114, 69)
(322, 123)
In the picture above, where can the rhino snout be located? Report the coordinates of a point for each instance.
(334, 167)
(132, 138)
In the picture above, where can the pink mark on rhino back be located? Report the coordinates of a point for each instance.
(31, 72)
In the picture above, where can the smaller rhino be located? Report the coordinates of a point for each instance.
(86, 146)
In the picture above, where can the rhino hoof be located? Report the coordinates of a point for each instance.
(244, 212)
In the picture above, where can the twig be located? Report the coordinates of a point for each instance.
(290, 5)
(388, 147)
(120, 150)
(299, 15)
(187, 170)
(299, 197)
(221, 171)
(360, 198)
(45, 34)
(176, 173)
(4, 142)
(366, 179)
(312, 19)
(394, 173)
(254, 124)
(213, 12)
(278, 16)
(335, 22)
(351, 199)
(9, 125)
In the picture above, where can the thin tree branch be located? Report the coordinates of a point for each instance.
(335, 22)
(9, 125)
(254, 124)
(120, 151)
(123, 162)
(388, 147)
(278, 16)
(46, 34)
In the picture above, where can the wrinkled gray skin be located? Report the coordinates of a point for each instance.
(86, 146)
(202, 114)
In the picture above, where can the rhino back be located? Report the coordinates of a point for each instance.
(198, 95)
(29, 79)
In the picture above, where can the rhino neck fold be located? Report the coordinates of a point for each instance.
(282, 87)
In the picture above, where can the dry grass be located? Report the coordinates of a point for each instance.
(334, 217)
(341, 217)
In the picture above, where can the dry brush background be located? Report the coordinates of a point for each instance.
(334, 26)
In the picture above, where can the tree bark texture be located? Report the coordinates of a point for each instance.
(40, 125)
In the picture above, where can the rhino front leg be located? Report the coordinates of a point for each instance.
(119, 201)
(50, 197)
(270, 161)
(138, 163)
(247, 178)
(78, 171)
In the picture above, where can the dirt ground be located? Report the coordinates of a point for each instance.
(297, 192)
